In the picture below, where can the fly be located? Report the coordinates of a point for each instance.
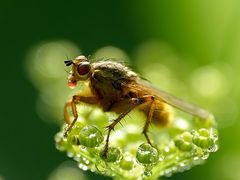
(115, 87)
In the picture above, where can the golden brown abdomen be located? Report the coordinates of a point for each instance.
(162, 114)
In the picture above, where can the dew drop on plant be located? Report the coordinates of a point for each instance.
(146, 154)
(161, 158)
(205, 155)
(168, 173)
(215, 137)
(76, 158)
(87, 162)
(83, 166)
(127, 162)
(113, 154)
(213, 148)
(147, 173)
(90, 136)
(92, 169)
(70, 154)
(83, 148)
(174, 169)
(166, 149)
(193, 131)
(182, 164)
(101, 167)
(196, 158)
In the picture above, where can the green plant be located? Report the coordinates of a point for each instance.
(185, 143)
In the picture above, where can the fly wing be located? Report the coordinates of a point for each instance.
(183, 105)
(165, 97)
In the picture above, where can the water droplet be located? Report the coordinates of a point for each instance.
(193, 131)
(70, 154)
(196, 158)
(90, 136)
(161, 173)
(87, 161)
(215, 137)
(101, 167)
(166, 149)
(147, 173)
(213, 148)
(76, 158)
(83, 148)
(83, 167)
(92, 169)
(113, 155)
(174, 169)
(146, 154)
(205, 155)
(182, 164)
(168, 173)
(161, 158)
(78, 155)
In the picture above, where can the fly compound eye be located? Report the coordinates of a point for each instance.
(83, 68)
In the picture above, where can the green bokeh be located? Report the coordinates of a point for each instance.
(194, 44)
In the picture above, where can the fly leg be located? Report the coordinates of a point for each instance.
(149, 118)
(133, 103)
(72, 103)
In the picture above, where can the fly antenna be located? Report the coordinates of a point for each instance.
(68, 62)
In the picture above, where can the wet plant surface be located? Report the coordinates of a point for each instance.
(175, 149)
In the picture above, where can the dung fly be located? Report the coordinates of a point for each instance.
(115, 87)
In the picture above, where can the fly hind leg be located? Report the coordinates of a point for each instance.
(133, 103)
(149, 118)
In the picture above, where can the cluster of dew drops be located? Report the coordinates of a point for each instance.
(85, 144)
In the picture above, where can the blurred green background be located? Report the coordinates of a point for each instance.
(194, 45)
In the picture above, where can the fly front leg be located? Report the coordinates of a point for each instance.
(72, 103)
